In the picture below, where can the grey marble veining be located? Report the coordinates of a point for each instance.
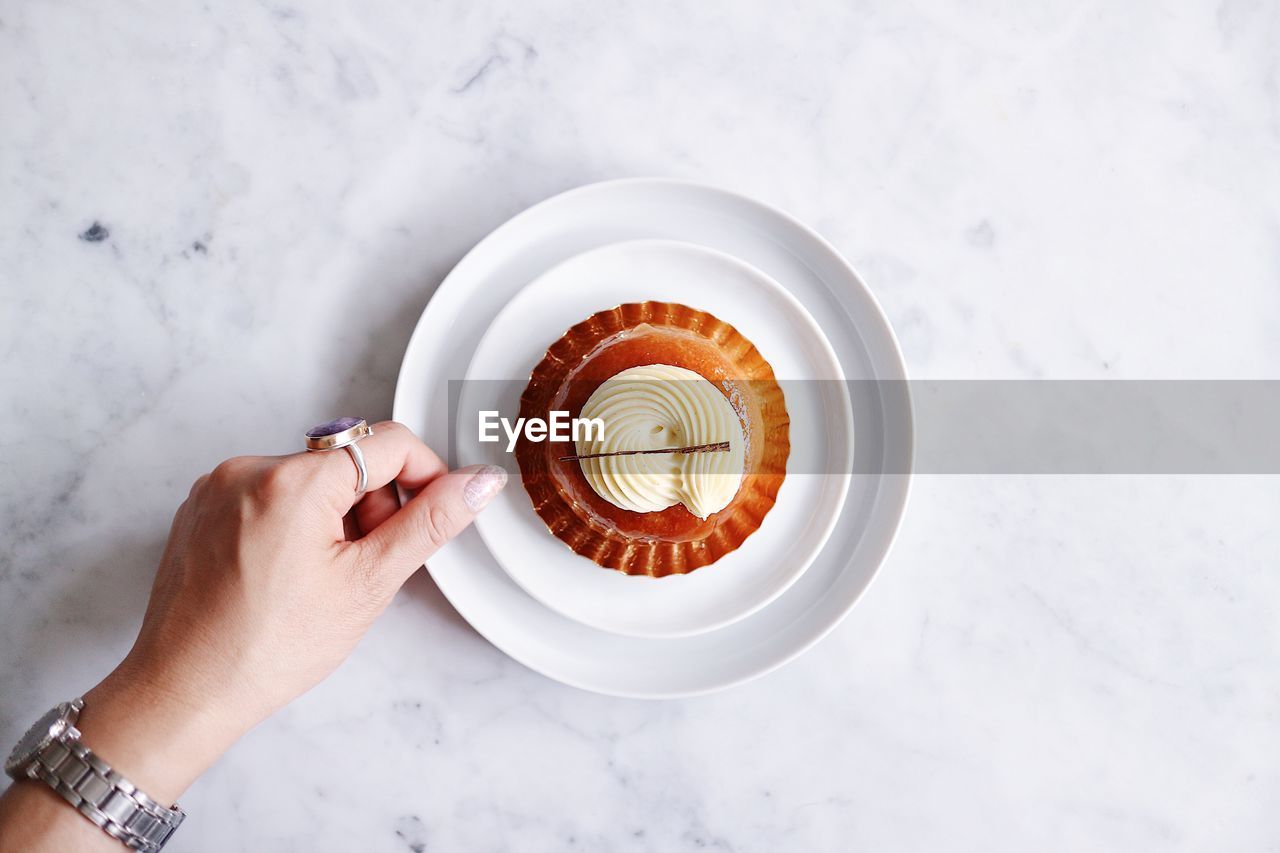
(1033, 190)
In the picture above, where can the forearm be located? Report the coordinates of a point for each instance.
(35, 819)
(155, 736)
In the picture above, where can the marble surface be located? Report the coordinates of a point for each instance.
(1033, 190)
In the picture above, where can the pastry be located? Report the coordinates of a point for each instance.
(656, 375)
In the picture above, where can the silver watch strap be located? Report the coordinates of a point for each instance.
(105, 797)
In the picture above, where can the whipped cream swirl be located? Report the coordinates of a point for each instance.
(655, 406)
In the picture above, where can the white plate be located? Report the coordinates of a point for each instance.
(808, 503)
(790, 253)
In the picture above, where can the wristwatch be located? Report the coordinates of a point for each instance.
(51, 752)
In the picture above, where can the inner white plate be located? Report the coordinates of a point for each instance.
(792, 254)
(809, 501)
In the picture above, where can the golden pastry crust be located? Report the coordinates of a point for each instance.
(673, 541)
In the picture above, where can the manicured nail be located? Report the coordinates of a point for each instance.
(482, 486)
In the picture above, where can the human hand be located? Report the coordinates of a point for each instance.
(272, 573)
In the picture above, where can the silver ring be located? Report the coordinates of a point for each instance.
(343, 433)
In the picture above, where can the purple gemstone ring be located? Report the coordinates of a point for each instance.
(342, 433)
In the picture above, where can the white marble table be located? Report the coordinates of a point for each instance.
(1032, 190)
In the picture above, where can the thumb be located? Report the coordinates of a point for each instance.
(440, 511)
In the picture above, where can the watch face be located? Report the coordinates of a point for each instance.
(48, 726)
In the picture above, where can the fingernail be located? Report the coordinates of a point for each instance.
(482, 486)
